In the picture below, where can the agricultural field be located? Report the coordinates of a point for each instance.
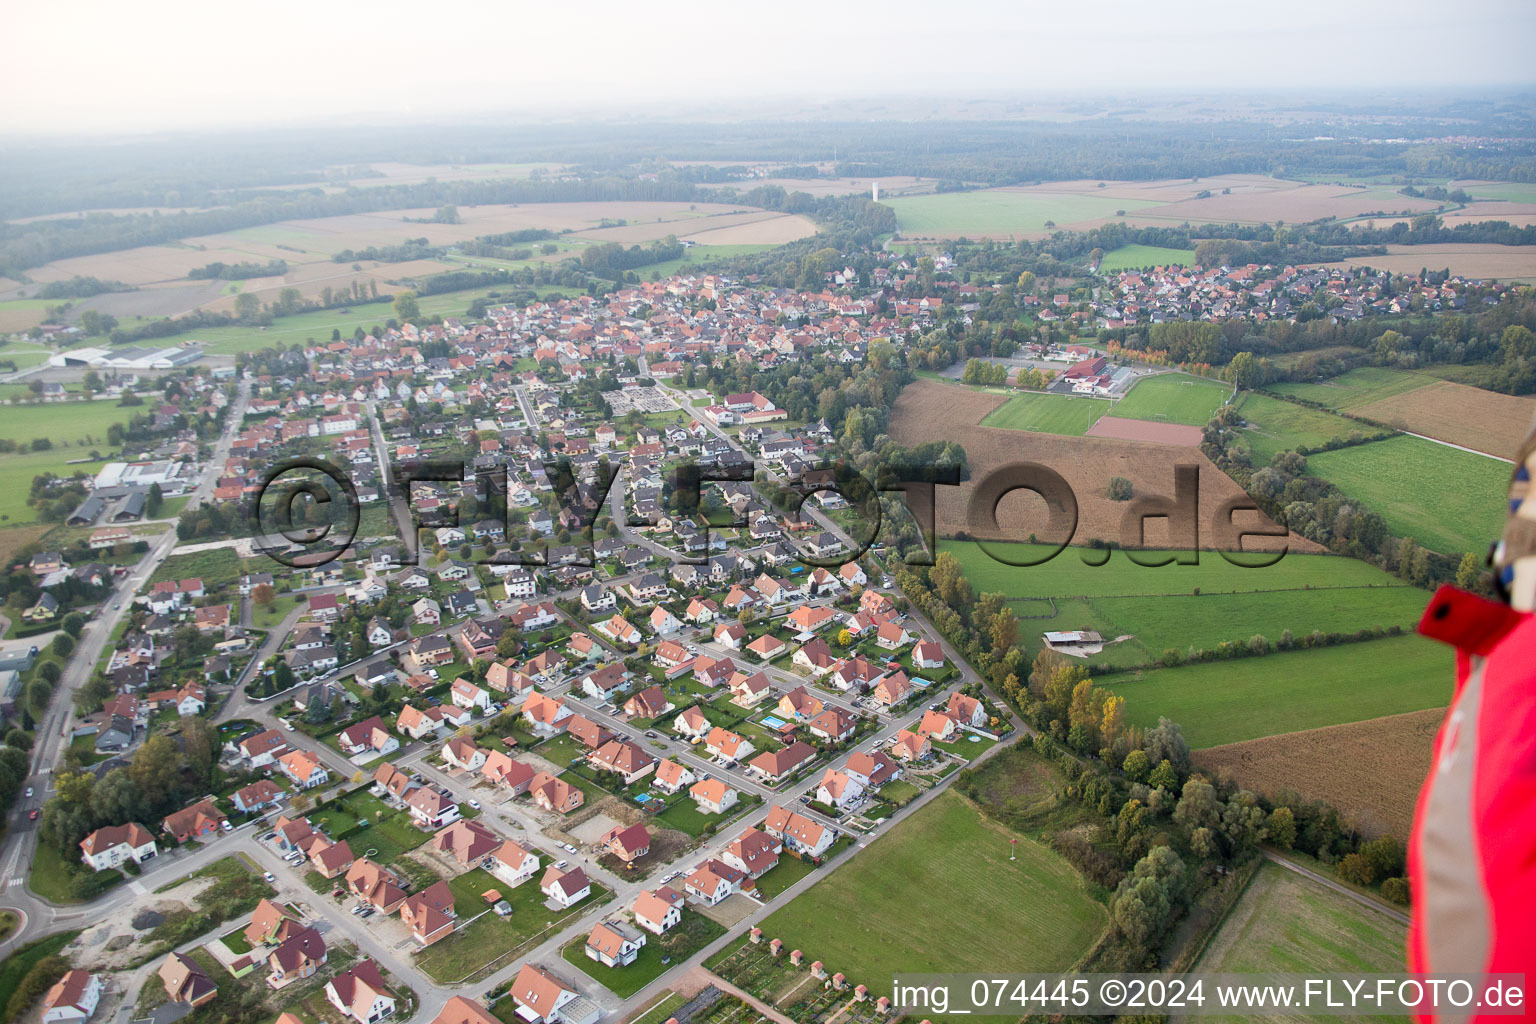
(1371, 771)
(1360, 387)
(17, 470)
(1285, 923)
(1469, 259)
(1144, 257)
(1447, 500)
(1484, 421)
(1068, 415)
(1002, 212)
(1173, 398)
(927, 409)
(859, 918)
(1222, 702)
(1179, 606)
(83, 424)
(1275, 425)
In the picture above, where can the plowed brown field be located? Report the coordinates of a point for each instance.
(1484, 421)
(929, 409)
(1371, 771)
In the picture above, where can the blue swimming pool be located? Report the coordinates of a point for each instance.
(772, 722)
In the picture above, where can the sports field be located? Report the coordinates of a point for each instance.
(1360, 386)
(1275, 425)
(1000, 213)
(1069, 415)
(1173, 398)
(1447, 500)
(1285, 923)
(939, 894)
(1144, 257)
(1228, 701)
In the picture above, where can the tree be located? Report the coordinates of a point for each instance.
(1166, 742)
(1163, 776)
(507, 644)
(73, 623)
(282, 677)
(1244, 369)
(154, 766)
(39, 693)
(1026, 282)
(1135, 766)
(263, 595)
(1469, 572)
(50, 671)
(154, 502)
(63, 645)
(1282, 827)
(406, 307)
(1197, 807)
(247, 306)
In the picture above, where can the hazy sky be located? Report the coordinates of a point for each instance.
(106, 65)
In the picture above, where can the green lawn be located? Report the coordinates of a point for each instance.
(268, 616)
(692, 934)
(659, 1012)
(1227, 701)
(781, 876)
(52, 877)
(1144, 257)
(1448, 500)
(1286, 923)
(945, 871)
(1173, 398)
(1275, 426)
(1070, 415)
(685, 816)
(1360, 386)
(489, 939)
(1000, 213)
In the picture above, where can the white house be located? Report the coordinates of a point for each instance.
(468, 695)
(73, 997)
(513, 864)
(656, 913)
(109, 847)
(359, 992)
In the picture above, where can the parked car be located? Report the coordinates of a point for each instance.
(358, 910)
(29, 791)
(567, 847)
(367, 912)
(269, 876)
(475, 804)
(805, 799)
(32, 816)
(561, 863)
(226, 826)
(650, 734)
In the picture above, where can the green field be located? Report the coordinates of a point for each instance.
(1514, 192)
(1285, 923)
(1144, 257)
(1360, 386)
(1448, 500)
(944, 871)
(17, 471)
(1275, 425)
(1067, 576)
(215, 567)
(317, 326)
(1173, 398)
(1228, 701)
(1048, 414)
(998, 213)
(1182, 621)
(64, 423)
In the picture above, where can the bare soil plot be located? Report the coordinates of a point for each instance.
(891, 186)
(1519, 214)
(1370, 770)
(1484, 421)
(1146, 430)
(775, 230)
(928, 409)
(1471, 259)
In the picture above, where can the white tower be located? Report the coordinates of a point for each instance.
(875, 192)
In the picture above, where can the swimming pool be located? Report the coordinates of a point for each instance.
(772, 722)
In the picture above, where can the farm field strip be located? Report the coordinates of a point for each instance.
(1275, 425)
(1484, 421)
(1447, 500)
(1360, 386)
(1222, 702)
(1143, 257)
(1286, 923)
(1371, 770)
